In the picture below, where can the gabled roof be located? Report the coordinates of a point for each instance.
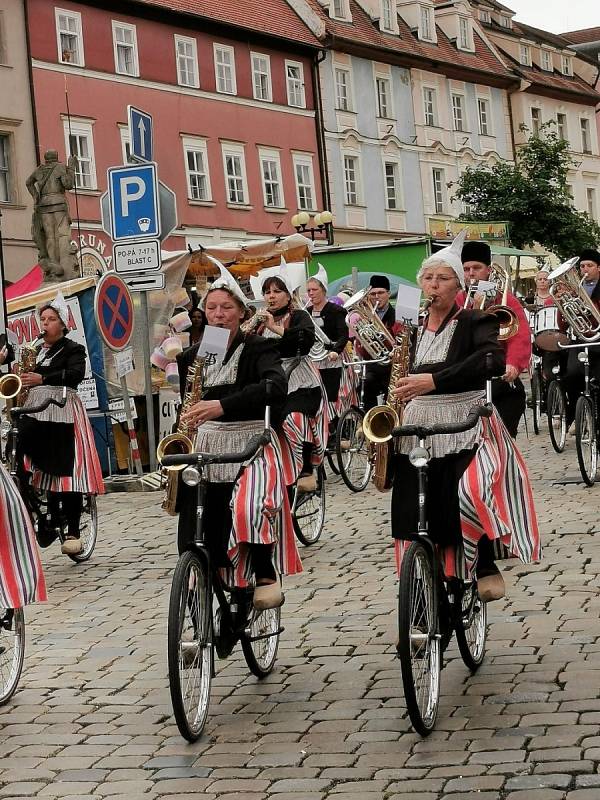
(268, 18)
(582, 36)
(364, 33)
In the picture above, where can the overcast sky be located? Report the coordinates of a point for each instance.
(557, 15)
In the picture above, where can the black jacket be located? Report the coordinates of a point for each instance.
(298, 337)
(334, 325)
(245, 399)
(63, 364)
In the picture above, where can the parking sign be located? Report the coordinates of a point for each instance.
(133, 197)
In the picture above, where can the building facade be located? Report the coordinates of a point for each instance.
(17, 142)
(586, 43)
(231, 94)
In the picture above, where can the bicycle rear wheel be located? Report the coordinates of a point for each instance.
(261, 641)
(471, 631)
(353, 451)
(586, 440)
(12, 651)
(189, 645)
(88, 529)
(309, 514)
(557, 416)
(419, 646)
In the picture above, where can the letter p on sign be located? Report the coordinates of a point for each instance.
(132, 189)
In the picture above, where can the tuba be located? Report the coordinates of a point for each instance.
(370, 330)
(180, 442)
(509, 322)
(573, 302)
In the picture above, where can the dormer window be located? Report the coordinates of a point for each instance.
(387, 15)
(464, 34)
(484, 15)
(339, 9)
(506, 22)
(567, 68)
(525, 55)
(547, 61)
(426, 27)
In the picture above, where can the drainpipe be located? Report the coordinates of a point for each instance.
(36, 141)
(320, 131)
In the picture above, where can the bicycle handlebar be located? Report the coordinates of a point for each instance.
(188, 459)
(18, 410)
(579, 345)
(425, 431)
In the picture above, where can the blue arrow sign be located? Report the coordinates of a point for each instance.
(140, 134)
(133, 199)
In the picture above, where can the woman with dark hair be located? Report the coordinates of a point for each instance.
(198, 320)
(246, 514)
(304, 416)
(57, 445)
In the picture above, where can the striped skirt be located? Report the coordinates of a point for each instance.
(298, 428)
(87, 472)
(21, 577)
(496, 501)
(348, 395)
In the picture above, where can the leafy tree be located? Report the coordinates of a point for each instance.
(532, 195)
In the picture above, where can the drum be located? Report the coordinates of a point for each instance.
(547, 334)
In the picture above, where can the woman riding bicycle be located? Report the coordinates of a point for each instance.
(56, 446)
(304, 415)
(246, 512)
(481, 504)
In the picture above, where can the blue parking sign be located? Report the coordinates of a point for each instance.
(133, 196)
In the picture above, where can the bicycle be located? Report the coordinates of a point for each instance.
(36, 500)
(196, 628)
(587, 423)
(556, 410)
(430, 606)
(539, 391)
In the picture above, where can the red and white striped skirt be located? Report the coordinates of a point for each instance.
(347, 395)
(21, 576)
(496, 501)
(298, 428)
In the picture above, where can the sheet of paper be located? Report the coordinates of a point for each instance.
(214, 343)
(407, 304)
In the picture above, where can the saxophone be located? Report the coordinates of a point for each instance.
(182, 440)
(11, 385)
(381, 420)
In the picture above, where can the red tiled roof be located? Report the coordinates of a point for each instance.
(269, 17)
(582, 36)
(363, 31)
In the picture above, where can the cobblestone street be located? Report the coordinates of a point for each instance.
(92, 717)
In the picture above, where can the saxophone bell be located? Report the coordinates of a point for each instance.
(379, 422)
(10, 386)
(172, 445)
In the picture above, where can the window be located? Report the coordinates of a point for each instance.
(561, 125)
(186, 54)
(438, 190)
(392, 186)
(426, 27)
(125, 144)
(195, 154)
(536, 120)
(569, 189)
(591, 202)
(339, 9)
(525, 55)
(69, 37)
(429, 103)
(305, 183)
(5, 184)
(270, 169)
(261, 77)
(458, 112)
(384, 106)
(125, 47)
(387, 14)
(484, 16)
(79, 143)
(295, 84)
(547, 61)
(464, 36)
(342, 89)
(235, 174)
(505, 22)
(484, 116)
(586, 145)
(351, 180)
(3, 53)
(566, 66)
(225, 69)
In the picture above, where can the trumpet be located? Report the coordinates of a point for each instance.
(509, 322)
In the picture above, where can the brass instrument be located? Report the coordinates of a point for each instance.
(181, 441)
(509, 322)
(379, 421)
(573, 302)
(370, 330)
(11, 385)
(253, 322)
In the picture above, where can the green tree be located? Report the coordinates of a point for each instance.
(532, 195)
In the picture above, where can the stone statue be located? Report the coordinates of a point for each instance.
(51, 222)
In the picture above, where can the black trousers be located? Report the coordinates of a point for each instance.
(509, 400)
(377, 380)
(574, 379)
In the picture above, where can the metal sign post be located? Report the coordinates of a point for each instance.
(148, 384)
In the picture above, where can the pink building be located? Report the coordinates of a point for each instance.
(230, 88)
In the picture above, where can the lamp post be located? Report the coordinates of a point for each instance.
(322, 222)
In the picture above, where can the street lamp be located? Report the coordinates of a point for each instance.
(322, 222)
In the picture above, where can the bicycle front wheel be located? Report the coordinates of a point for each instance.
(309, 514)
(12, 651)
(585, 440)
(261, 641)
(353, 451)
(189, 645)
(88, 529)
(471, 631)
(418, 638)
(557, 416)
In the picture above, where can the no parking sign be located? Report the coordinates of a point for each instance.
(113, 308)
